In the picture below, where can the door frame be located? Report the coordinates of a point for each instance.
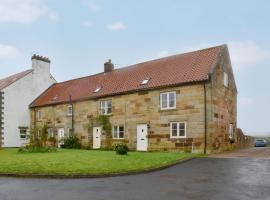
(99, 145)
(146, 138)
(58, 139)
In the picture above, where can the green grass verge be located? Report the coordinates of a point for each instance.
(84, 162)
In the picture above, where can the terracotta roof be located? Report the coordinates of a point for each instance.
(173, 70)
(13, 78)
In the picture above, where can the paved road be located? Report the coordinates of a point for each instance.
(254, 153)
(198, 179)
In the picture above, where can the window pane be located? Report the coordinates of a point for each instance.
(174, 129)
(103, 111)
(115, 132)
(121, 131)
(102, 104)
(164, 100)
(109, 110)
(182, 126)
(174, 125)
(172, 100)
(225, 79)
(182, 132)
(121, 128)
(174, 132)
(109, 103)
(22, 133)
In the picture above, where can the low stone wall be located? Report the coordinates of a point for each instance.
(242, 140)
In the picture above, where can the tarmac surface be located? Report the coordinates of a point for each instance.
(241, 176)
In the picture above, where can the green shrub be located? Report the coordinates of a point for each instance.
(33, 149)
(52, 140)
(121, 148)
(72, 142)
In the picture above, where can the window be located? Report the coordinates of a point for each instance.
(118, 132)
(69, 132)
(106, 107)
(50, 133)
(39, 134)
(168, 100)
(178, 129)
(231, 131)
(97, 89)
(23, 132)
(39, 115)
(69, 110)
(225, 79)
(145, 81)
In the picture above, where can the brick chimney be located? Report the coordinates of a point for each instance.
(40, 63)
(108, 66)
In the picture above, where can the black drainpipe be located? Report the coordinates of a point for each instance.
(35, 118)
(205, 121)
(72, 116)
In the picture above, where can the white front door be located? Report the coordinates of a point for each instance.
(96, 137)
(61, 136)
(142, 142)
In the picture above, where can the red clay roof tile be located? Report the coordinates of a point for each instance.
(173, 70)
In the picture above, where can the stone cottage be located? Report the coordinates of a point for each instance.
(16, 93)
(180, 102)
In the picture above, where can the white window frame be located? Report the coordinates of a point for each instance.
(178, 130)
(39, 115)
(25, 129)
(225, 79)
(118, 131)
(105, 107)
(145, 81)
(69, 131)
(50, 132)
(69, 110)
(230, 130)
(39, 134)
(168, 100)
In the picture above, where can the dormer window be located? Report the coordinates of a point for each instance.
(97, 89)
(145, 81)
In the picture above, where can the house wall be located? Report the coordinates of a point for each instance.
(137, 108)
(17, 98)
(1, 118)
(221, 107)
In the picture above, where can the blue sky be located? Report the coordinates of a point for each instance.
(79, 36)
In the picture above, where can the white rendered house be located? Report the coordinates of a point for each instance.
(16, 93)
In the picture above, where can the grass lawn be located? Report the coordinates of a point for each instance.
(86, 162)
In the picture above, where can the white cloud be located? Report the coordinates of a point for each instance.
(244, 54)
(8, 51)
(87, 24)
(24, 11)
(163, 53)
(245, 101)
(117, 26)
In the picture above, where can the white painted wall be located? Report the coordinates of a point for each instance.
(17, 98)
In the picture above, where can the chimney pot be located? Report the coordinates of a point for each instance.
(41, 58)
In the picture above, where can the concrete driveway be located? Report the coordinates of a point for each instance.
(202, 179)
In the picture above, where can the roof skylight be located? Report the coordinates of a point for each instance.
(97, 89)
(145, 81)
